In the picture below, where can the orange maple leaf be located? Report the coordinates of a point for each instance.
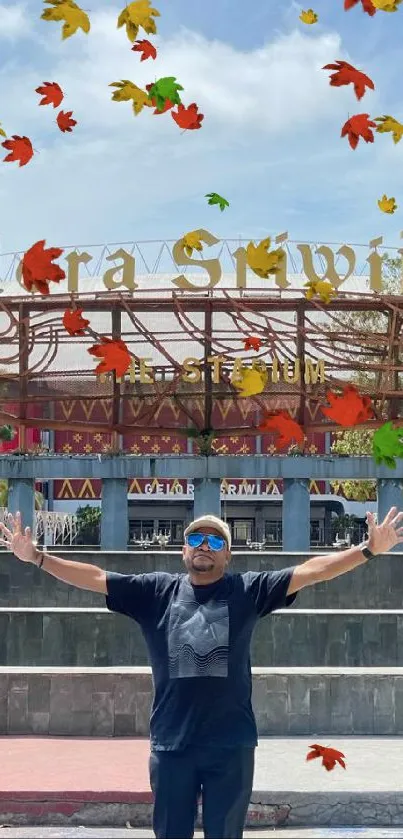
(147, 48)
(115, 356)
(74, 322)
(52, 94)
(252, 343)
(367, 6)
(286, 427)
(20, 148)
(64, 120)
(349, 409)
(37, 268)
(167, 104)
(188, 117)
(329, 756)
(347, 74)
(358, 126)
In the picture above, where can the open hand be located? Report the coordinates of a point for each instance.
(18, 542)
(383, 537)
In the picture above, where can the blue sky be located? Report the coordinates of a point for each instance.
(270, 141)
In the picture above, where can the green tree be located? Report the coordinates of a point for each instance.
(88, 525)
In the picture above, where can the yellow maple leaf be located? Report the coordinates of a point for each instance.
(320, 288)
(386, 5)
(387, 205)
(388, 123)
(192, 241)
(249, 381)
(138, 14)
(128, 91)
(2, 132)
(74, 17)
(309, 17)
(263, 261)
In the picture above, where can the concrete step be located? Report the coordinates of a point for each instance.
(116, 701)
(339, 832)
(85, 637)
(67, 782)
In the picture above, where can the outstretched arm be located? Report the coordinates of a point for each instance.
(381, 538)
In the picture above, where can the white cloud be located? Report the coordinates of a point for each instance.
(13, 21)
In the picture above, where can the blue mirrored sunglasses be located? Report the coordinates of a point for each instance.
(215, 543)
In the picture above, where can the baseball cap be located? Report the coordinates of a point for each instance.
(210, 521)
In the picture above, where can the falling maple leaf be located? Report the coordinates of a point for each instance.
(146, 48)
(187, 117)
(20, 149)
(320, 288)
(347, 74)
(165, 88)
(349, 409)
(309, 17)
(52, 94)
(387, 444)
(387, 205)
(128, 90)
(2, 132)
(215, 198)
(387, 5)
(358, 126)
(37, 267)
(263, 261)
(74, 322)
(64, 121)
(329, 756)
(367, 6)
(388, 123)
(285, 426)
(74, 17)
(252, 343)
(136, 15)
(249, 381)
(192, 241)
(167, 106)
(115, 356)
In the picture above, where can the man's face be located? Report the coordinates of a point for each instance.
(204, 565)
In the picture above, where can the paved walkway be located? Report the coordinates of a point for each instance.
(104, 781)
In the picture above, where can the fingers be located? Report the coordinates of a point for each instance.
(390, 515)
(17, 522)
(8, 544)
(6, 531)
(397, 518)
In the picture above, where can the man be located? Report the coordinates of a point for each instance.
(198, 629)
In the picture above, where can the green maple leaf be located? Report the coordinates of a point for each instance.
(215, 198)
(387, 445)
(163, 89)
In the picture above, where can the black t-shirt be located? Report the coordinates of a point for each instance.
(198, 639)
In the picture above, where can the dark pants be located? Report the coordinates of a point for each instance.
(224, 778)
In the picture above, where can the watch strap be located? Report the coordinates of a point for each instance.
(363, 547)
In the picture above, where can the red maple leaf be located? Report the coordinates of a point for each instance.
(349, 409)
(64, 121)
(37, 268)
(115, 356)
(52, 94)
(147, 48)
(188, 117)
(74, 322)
(252, 343)
(347, 74)
(167, 105)
(358, 126)
(367, 6)
(20, 149)
(329, 756)
(286, 427)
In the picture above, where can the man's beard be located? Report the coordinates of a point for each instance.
(207, 563)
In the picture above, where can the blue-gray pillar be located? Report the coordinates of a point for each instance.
(296, 515)
(21, 497)
(389, 494)
(115, 515)
(206, 497)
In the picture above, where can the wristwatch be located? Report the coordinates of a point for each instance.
(363, 547)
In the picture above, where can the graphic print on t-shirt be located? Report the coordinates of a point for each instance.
(197, 637)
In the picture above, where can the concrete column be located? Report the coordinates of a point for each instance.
(206, 497)
(115, 515)
(21, 498)
(296, 515)
(389, 494)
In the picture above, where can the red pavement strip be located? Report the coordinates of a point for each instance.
(114, 769)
